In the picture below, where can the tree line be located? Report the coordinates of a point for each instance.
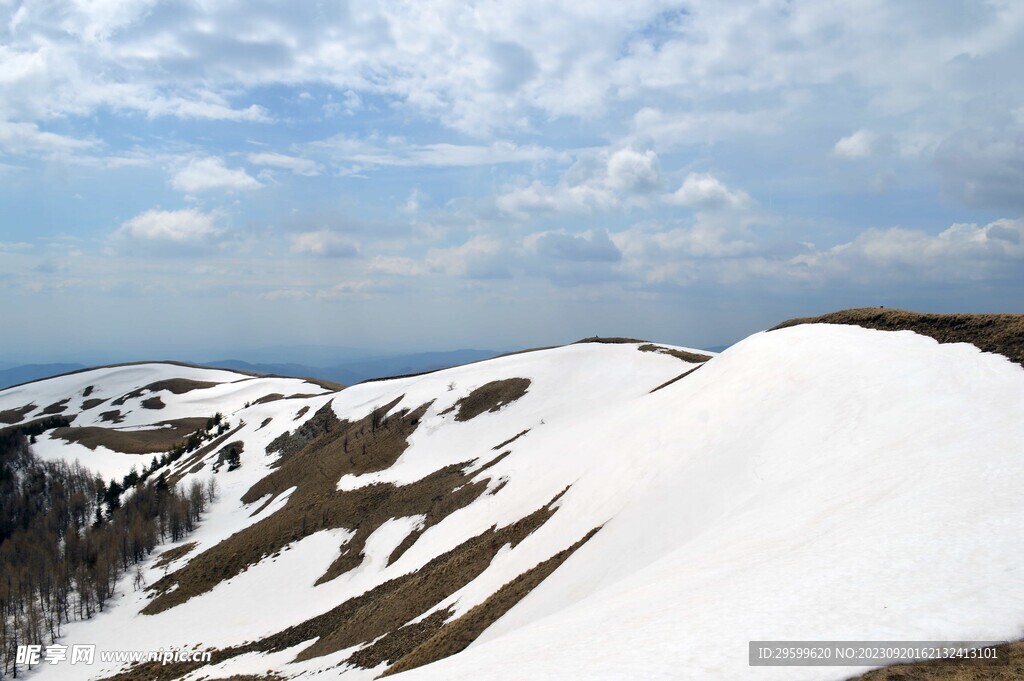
(67, 536)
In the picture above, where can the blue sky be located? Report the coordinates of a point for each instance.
(185, 178)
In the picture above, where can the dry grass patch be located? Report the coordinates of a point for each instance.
(677, 378)
(112, 416)
(11, 416)
(611, 340)
(384, 610)
(163, 437)
(454, 637)
(490, 397)
(57, 407)
(999, 333)
(1009, 666)
(313, 460)
(301, 396)
(321, 423)
(383, 614)
(691, 357)
(330, 386)
(272, 397)
(510, 440)
(178, 386)
(171, 555)
(194, 462)
(92, 403)
(153, 403)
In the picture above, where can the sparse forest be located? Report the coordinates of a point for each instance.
(67, 536)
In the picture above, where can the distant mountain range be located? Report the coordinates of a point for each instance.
(346, 373)
(13, 375)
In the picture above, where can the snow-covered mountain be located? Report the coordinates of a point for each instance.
(595, 511)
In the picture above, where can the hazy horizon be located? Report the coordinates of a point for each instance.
(188, 181)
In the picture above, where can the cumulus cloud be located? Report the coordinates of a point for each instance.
(591, 246)
(561, 198)
(324, 243)
(397, 265)
(596, 181)
(27, 138)
(634, 171)
(569, 260)
(175, 226)
(713, 252)
(482, 257)
(860, 144)
(204, 174)
(704, 191)
(963, 251)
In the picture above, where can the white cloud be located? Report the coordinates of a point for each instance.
(482, 257)
(599, 180)
(590, 246)
(412, 204)
(964, 251)
(397, 151)
(860, 144)
(397, 266)
(27, 138)
(298, 166)
(176, 226)
(203, 174)
(705, 191)
(634, 171)
(15, 246)
(324, 243)
(562, 198)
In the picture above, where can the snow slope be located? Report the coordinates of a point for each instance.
(229, 391)
(817, 482)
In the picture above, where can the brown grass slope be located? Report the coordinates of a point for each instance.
(57, 407)
(322, 454)
(158, 439)
(194, 463)
(153, 403)
(380, 619)
(171, 555)
(12, 416)
(677, 378)
(455, 636)
(490, 397)
(691, 357)
(998, 333)
(178, 386)
(610, 340)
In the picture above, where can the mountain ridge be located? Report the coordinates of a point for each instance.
(591, 482)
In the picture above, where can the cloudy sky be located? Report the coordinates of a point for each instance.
(181, 178)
